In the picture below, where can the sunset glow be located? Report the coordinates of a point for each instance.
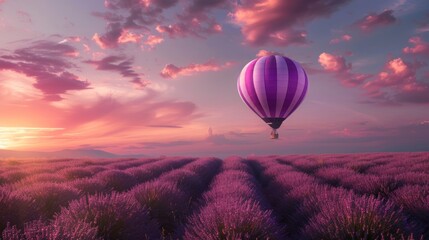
(152, 77)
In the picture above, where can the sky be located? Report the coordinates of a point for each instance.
(159, 77)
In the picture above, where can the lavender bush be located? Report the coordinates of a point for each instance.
(116, 180)
(15, 209)
(49, 197)
(357, 218)
(115, 216)
(232, 220)
(164, 202)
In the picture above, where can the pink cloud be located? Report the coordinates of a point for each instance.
(110, 38)
(396, 72)
(153, 40)
(341, 70)
(375, 20)
(126, 15)
(86, 48)
(70, 39)
(172, 71)
(333, 63)
(195, 20)
(116, 35)
(119, 64)
(398, 83)
(186, 27)
(98, 121)
(128, 36)
(343, 38)
(140, 16)
(48, 63)
(263, 53)
(279, 22)
(420, 46)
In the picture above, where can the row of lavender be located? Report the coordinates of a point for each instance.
(279, 197)
(41, 195)
(401, 178)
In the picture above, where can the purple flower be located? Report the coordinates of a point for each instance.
(164, 201)
(49, 197)
(415, 200)
(232, 220)
(15, 209)
(115, 216)
(116, 180)
(89, 186)
(353, 217)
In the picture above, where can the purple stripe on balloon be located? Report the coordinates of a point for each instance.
(245, 100)
(292, 86)
(270, 79)
(250, 87)
(304, 91)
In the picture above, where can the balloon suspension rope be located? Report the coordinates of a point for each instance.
(274, 134)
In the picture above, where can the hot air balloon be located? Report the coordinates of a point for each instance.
(273, 87)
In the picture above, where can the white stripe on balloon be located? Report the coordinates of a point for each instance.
(282, 83)
(259, 83)
(242, 86)
(299, 89)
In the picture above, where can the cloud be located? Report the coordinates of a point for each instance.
(112, 119)
(145, 111)
(280, 22)
(202, 6)
(333, 63)
(190, 27)
(49, 64)
(396, 72)
(173, 71)
(343, 38)
(110, 39)
(263, 53)
(70, 39)
(143, 17)
(195, 20)
(140, 14)
(119, 64)
(398, 83)
(374, 20)
(127, 36)
(420, 46)
(153, 40)
(341, 70)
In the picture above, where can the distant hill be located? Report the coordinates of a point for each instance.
(66, 153)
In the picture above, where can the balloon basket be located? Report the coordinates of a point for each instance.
(274, 134)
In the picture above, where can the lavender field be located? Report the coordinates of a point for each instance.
(358, 196)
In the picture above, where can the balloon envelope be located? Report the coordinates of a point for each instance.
(273, 87)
